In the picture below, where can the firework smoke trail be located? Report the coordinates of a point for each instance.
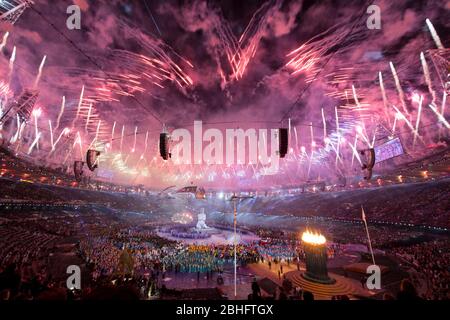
(11, 65)
(250, 38)
(4, 92)
(440, 116)
(16, 135)
(355, 97)
(384, 96)
(313, 143)
(408, 123)
(418, 120)
(160, 57)
(112, 136)
(401, 94)
(121, 138)
(51, 133)
(324, 125)
(96, 134)
(58, 120)
(338, 135)
(64, 132)
(34, 143)
(135, 137)
(374, 137)
(5, 39)
(396, 117)
(229, 47)
(304, 61)
(238, 53)
(106, 87)
(88, 117)
(80, 101)
(146, 142)
(296, 138)
(335, 149)
(20, 130)
(361, 132)
(359, 109)
(444, 99)
(145, 146)
(354, 152)
(289, 129)
(79, 142)
(354, 149)
(307, 56)
(1, 114)
(41, 67)
(426, 73)
(126, 159)
(434, 34)
(36, 114)
(12, 58)
(312, 149)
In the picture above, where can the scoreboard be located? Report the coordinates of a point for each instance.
(388, 150)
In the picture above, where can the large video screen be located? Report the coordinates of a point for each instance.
(388, 150)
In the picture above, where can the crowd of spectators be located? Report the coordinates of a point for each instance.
(431, 261)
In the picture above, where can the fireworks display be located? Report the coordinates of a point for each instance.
(338, 87)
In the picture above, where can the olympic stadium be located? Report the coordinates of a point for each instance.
(220, 150)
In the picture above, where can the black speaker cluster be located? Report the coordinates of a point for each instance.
(370, 156)
(283, 142)
(91, 159)
(164, 150)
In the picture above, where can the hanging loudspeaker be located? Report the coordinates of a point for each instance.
(369, 162)
(91, 159)
(283, 141)
(368, 174)
(164, 146)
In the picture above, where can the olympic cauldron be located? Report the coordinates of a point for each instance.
(316, 258)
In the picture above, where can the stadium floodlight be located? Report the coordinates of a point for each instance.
(23, 106)
(12, 10)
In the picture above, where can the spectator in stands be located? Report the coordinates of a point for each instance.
(308, 296)
(388, 296)
(407, 291)
(256, 291)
